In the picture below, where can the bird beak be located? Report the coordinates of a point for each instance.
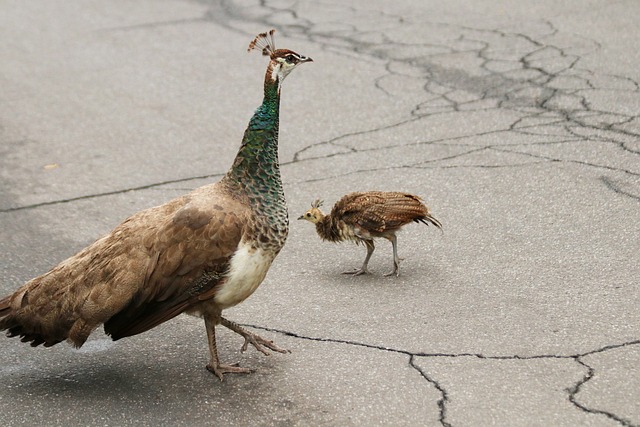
(305, 59)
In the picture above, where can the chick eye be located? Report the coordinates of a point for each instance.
(308, 214)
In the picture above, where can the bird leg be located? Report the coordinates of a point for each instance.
(363, 270)
(250, 338)
(396, 259)
(214, 366)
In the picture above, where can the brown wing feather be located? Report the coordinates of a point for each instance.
(381, 211)
(194, 255)
(141, 274)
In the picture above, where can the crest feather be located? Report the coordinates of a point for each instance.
(317, 203)
(264, 42)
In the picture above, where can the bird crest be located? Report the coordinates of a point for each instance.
(317, 203)
(264, 42)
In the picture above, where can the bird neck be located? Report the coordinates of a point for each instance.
(256, 170)
(256, 164)
(328, 230)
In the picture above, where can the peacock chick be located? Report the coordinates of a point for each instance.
(364, 216)
(198, 254)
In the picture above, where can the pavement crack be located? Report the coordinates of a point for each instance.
(579, 162)
(532, 75)
(334, 141)
(444, 399)
(613, 186)
(444, 396)
(538, 74)
(572, 391)
(107, 193)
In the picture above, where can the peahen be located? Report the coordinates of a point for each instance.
(362, 217)
(200, 253)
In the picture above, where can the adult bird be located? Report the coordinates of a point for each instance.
(362, 217)
(200, 253)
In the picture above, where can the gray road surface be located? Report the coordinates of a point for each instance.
(518, 122)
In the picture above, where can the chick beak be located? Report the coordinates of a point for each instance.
(301, 217)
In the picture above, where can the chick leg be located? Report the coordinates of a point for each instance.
(363, 270)
(250, 338)
(217, 368)
(396, 259)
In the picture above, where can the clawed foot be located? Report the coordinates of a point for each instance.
(250, 338)
(219, 369)
(357, 272)
(260, 343)
(396, 268)
(395, 271)
(222, 369)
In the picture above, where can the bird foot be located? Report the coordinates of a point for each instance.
(396, 268)
(220, 369)
(254, 339)
(357, 272)
(395, 271)
(260, 343)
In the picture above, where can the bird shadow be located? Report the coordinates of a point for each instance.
(62, 374)
(78, 383)
(124, 373)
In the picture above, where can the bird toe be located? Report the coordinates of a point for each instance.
(357, 272)
(220, 369)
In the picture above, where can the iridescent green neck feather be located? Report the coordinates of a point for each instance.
(256, 171)
(258, 154)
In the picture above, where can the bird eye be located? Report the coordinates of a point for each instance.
(290, 58)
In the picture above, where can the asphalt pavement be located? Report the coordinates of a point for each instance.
(518, 122)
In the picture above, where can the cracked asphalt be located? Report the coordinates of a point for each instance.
(518, 122)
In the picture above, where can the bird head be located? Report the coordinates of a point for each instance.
(313, 215)
(283, 61)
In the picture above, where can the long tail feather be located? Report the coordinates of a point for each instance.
(429, 220)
